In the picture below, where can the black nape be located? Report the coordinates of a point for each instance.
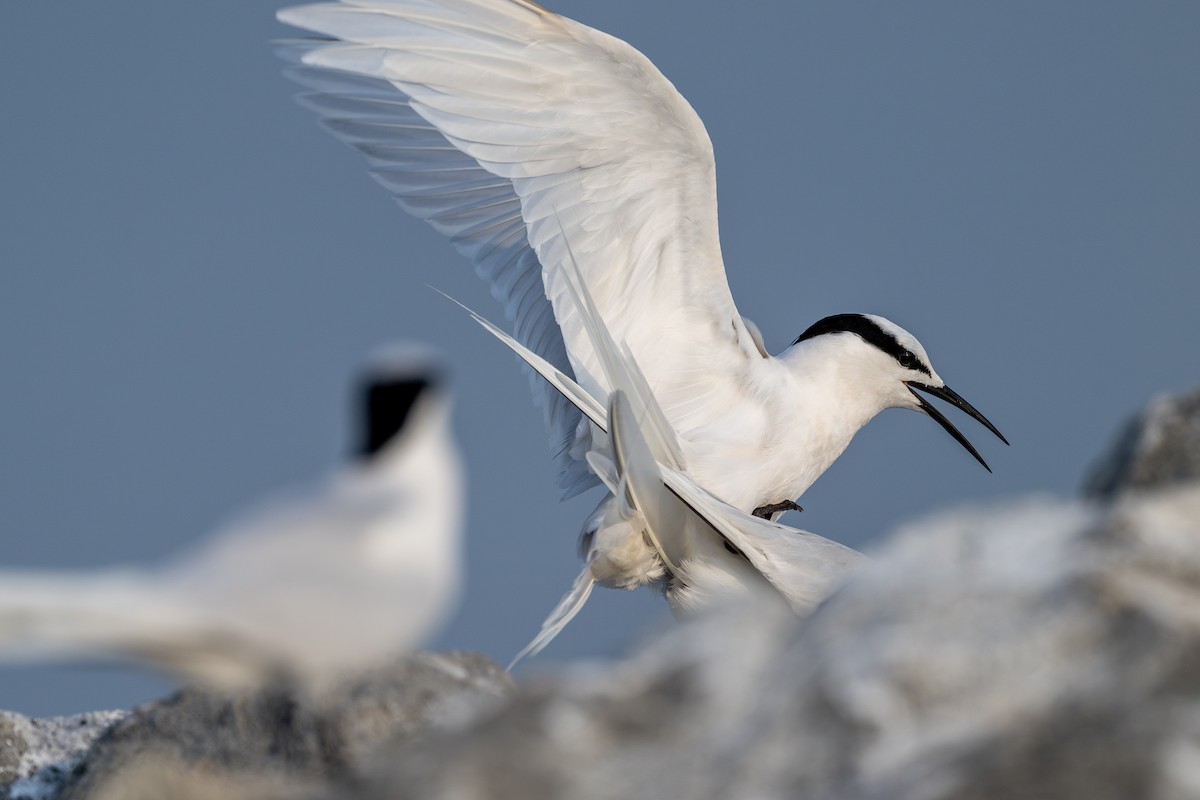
(388, 406)
(869, 331)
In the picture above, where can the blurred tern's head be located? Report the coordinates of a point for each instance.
(397, 389)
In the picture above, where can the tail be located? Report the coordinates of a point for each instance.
(564, 612)
(803, 566)
(63, 616)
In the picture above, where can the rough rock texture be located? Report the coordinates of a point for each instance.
(277, 737)
(1158, 448)
(37, 755)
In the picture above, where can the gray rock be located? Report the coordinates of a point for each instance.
(37, 755)
(1158, 448)
(227, 740)
(13, 747)
(1041, 649)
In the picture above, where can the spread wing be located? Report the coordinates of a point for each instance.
(513, 131)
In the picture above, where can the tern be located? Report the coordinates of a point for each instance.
(661, 526)
(311, 587)
(532, 140)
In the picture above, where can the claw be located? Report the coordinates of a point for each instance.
(767, 511)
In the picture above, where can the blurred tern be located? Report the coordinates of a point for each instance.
(514, 131)
(312, 586)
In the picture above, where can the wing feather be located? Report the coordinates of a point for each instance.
(436, 182)
(496, 119)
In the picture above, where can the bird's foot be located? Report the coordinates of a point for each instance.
(774, 508)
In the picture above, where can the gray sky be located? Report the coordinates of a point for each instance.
(192, 268)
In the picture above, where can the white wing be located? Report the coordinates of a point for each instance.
(434, 181)
(531, 128)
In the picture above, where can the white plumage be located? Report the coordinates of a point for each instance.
(535, 142)
(503, 125)
(311, 585)
(659, 526)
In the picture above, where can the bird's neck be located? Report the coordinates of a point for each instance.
(828, 398)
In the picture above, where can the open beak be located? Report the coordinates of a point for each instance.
(952, 397)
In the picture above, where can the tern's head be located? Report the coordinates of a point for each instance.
(402, 390)
(885, 365)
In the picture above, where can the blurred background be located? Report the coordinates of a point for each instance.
(192, 269)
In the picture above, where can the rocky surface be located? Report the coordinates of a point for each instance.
(1036, 648)
(195, 741)
(1158, 448)
(37, 755)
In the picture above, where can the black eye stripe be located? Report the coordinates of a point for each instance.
(869, 332)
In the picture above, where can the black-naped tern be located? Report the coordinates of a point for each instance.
(533, 141)
(312, 586)
(659, 526)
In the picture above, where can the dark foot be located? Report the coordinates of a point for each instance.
(766, 511)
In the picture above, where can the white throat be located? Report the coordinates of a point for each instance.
(790, 418)
(831, 393)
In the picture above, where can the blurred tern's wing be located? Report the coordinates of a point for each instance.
(122, 615)
(58, 614)
(542, 118)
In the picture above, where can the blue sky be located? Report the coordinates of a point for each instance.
(192, 269)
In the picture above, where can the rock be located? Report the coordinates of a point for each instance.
(227, 740)
(37, 755)
(13, 747)
(156, 775)
(1159, 448)
(1039, 649)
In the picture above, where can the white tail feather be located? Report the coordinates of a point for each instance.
(564, 612)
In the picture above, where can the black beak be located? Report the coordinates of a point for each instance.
(953, 397)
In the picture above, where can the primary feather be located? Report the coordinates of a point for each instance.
(512, 129)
